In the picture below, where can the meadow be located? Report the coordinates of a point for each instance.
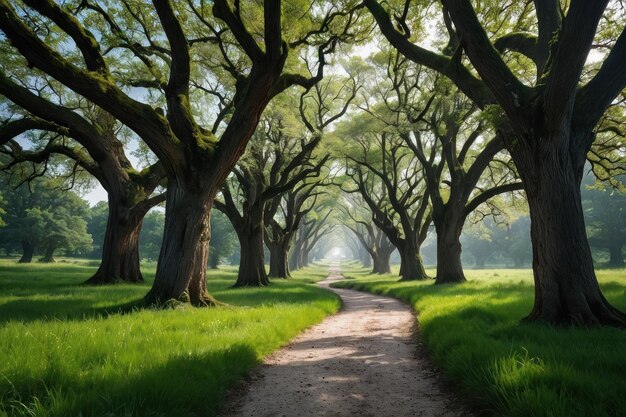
(505, 367)
(70, 350)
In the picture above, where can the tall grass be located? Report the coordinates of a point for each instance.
(70, 350)
(508, 368)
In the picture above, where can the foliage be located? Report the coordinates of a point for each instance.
(74, 350)
(151, 235)
(96, 226)
(223, 239)
(510, 368)
(605, 215)
(46, 217)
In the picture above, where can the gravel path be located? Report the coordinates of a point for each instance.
(362, 362)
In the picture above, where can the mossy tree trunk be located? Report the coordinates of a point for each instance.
(181, 269)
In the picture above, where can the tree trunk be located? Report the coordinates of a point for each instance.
(294, 258)
(279, 267)
(305, 258)
(449, 267)
(382, 262)
(181, 269)
(28, 251)
(566, 288)
(48, 256)
(120, 250)
(617, 258)
(411, 265)
(252, 259)
(213, 261)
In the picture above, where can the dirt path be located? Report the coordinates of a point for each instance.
(360, 362)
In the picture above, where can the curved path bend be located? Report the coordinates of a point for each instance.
(363, 361)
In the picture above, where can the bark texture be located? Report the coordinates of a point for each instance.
(449, 267)
(566, 287)
(120, 250)
(252, 260)
(181, 270)
(279, 265)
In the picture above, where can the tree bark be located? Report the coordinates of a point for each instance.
(411, 265)
(566, 287)
(382, 262)
(181, 269)
(120, 250)
(295, 258)
(252, 259)
(449, 266)
(616, 259)
(28, 251)
(279, 267)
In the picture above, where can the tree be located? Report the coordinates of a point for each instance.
(369, 236)
(41, 216)
(313, 227)
(547, 126)
(284, 216)
(605, 215)
(151, 236)
(245, 65)
(101, 153)
(388, 177)
(463, 169)
(275, 162)
(223, 240)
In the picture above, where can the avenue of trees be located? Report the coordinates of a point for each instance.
(399, 126)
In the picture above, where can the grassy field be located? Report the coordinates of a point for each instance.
(508, 368)
(69, 350)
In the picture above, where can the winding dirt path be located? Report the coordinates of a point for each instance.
(362, 362)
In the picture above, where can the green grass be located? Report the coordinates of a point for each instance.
(507, 368)
(69, 350)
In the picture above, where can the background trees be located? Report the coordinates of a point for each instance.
(249, 72)
(549, 113)
(41, 217)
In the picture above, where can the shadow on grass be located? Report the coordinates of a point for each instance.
(27, 310)
(475, 335)
(185, 385)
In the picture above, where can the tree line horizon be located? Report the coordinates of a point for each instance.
(503, 106)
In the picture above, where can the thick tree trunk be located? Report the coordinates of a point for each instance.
(28, 251)
(48, 255)
(305, 258)
(382, 262)
(252, 259)
(279, 267)
(566, 288)
(181, 269)
(120, 250)
(449, 267)
(411, 265)
(617, 258)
